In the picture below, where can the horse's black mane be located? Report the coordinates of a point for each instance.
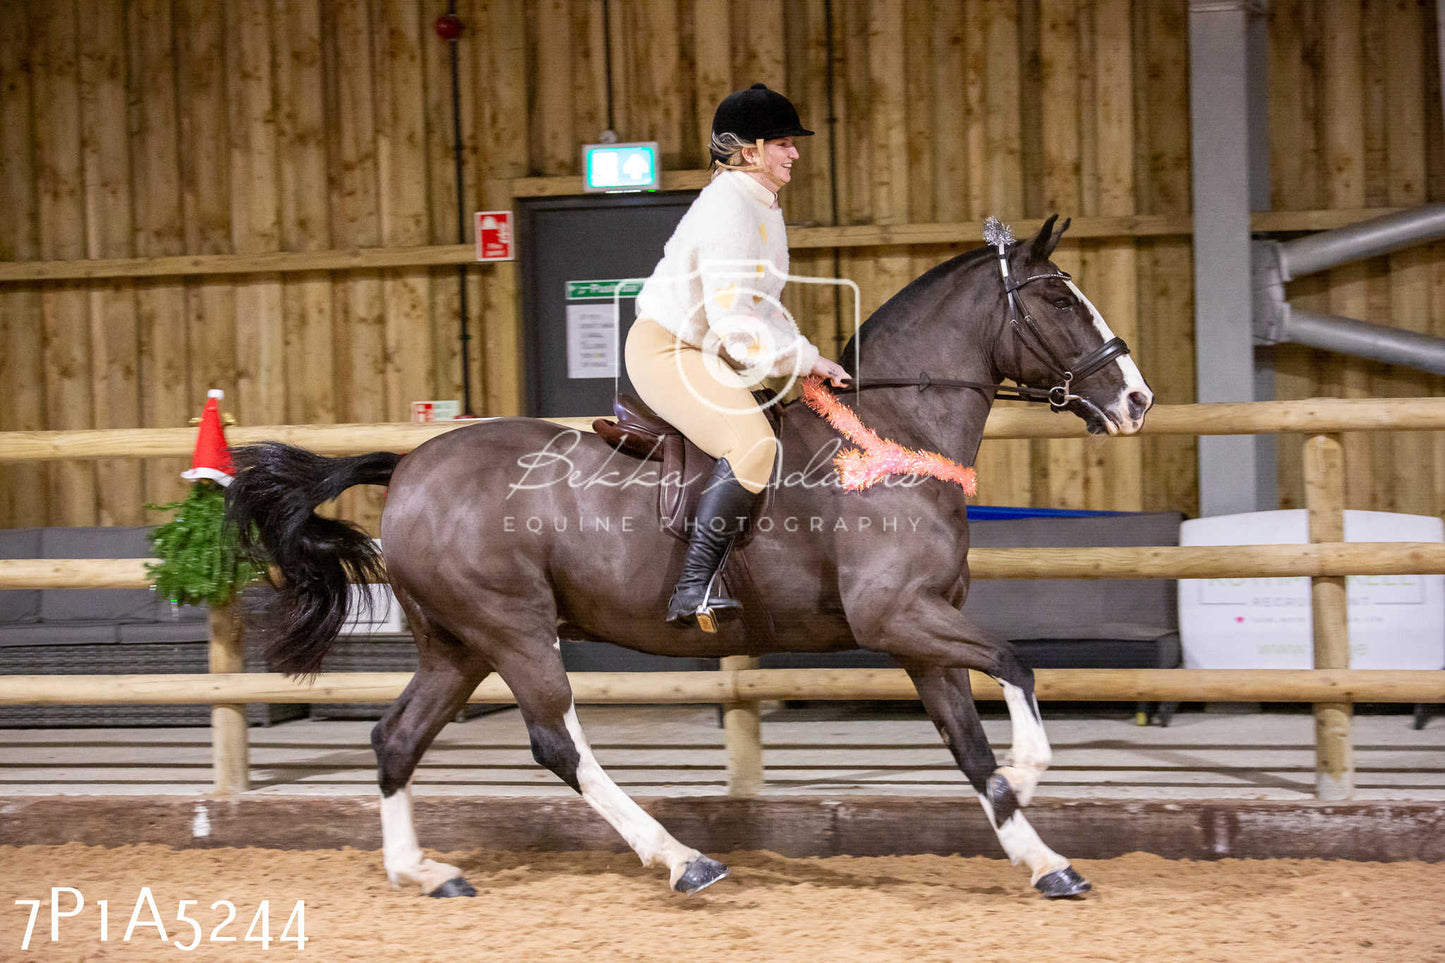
(899, 305)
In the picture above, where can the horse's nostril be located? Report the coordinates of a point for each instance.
(1139, 403)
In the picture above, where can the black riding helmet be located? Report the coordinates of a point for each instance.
(758, 114)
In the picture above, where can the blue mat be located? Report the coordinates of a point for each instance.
(990, 513)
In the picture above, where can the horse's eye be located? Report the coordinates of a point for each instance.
(1063, 304)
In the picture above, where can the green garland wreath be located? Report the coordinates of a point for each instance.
(199, 560)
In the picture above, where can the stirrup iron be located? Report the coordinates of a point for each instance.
(707, 619)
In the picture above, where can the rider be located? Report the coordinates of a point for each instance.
(710, 328)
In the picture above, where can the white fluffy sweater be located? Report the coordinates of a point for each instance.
(720, 277)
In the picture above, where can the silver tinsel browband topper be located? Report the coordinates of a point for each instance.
(997, 234)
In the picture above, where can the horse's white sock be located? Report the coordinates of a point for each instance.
(400, 851)
(652, 844)
(1022, 844)
(1030, 754)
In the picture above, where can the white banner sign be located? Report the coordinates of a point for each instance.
(592, 340)
(373, 609)
(1396, 621)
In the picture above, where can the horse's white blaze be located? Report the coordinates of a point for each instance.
(400, 851)
(1023, 845)
(1133, 380)
(652, 844)
(1030, 755)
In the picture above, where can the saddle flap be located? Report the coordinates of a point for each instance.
(686, 470)
(641, 432)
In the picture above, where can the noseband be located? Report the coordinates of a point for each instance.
(1022, 323)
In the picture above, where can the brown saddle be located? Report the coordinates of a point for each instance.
(683, 472)
(685, 468)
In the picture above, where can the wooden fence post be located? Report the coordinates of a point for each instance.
(743, 736)
(1324, 478)
(230, 752)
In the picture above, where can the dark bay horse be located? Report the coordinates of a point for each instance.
(502, 536)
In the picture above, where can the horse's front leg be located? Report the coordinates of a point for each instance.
(927, 630)
(938, 644)
(948, 699)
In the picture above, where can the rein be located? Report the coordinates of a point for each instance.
(1060, 395)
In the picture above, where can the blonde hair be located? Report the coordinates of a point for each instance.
(727, 154)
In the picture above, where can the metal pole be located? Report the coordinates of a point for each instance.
(1324, 477)
(840, 340)
(1221, 91)
(463, 334)
(1331, 332)
(1367, 239)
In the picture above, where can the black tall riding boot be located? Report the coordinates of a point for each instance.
(722, 511)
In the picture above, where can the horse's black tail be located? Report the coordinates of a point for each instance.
(270, 506)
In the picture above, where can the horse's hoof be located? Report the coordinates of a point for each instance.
(456, 886)
(1062, 883)
(1001, 797)
(699, 874)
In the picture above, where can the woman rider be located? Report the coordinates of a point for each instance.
(710, 328)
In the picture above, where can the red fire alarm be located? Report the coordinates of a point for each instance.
(494, 235)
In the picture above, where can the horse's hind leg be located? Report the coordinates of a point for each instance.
(539, 682)
(949, 702)
(446, 676)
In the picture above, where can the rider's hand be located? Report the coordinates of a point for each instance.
(832, 372)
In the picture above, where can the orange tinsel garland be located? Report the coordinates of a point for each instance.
(877, 458)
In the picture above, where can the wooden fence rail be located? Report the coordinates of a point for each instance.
(441, 255)
(743, 686)
(1311, 415)
(1326, 559)
(739, 685)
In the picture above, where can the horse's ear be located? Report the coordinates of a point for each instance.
(1042, 244)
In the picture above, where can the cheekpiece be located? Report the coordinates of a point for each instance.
(997, 234)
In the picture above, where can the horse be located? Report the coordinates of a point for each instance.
(489, 550)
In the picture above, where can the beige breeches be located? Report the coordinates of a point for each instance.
(704, 399)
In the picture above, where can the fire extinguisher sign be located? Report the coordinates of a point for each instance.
(494, 236)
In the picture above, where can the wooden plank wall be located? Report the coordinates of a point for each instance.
(1355, 121)
(155, 128)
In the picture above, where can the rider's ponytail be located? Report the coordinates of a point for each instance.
(727, 154)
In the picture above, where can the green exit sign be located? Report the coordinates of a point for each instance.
(621, 167)
(596, 290)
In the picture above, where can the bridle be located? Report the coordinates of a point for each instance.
(1022, 323)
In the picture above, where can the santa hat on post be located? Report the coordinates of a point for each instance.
(211, 459)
